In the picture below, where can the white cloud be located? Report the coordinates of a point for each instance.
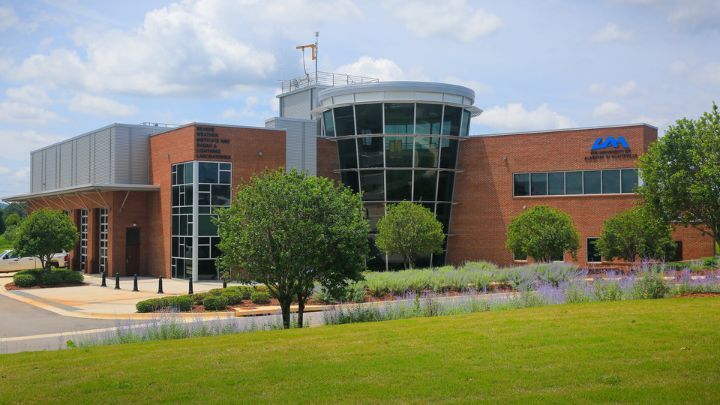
(17, 145)
(26, 105)
(100, 106)
(692, 15)
(478, 87)
(514, 117)
(189, 47)
(28, 94)
(608, 110)
(8, 18)
(620, 90)
(249, 110)
(380, 68)
(454, 19)
(611, 32)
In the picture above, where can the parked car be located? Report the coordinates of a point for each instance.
(11, 262)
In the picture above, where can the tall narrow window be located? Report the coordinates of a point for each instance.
(521, 184)
(593, 253)
(329, 123)
(83, 240)
(103, 215)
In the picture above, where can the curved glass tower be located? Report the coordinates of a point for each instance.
(398, 141)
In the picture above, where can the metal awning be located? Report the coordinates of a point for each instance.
(83, 189)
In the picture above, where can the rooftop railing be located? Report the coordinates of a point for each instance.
(325, 79)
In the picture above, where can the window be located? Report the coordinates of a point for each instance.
(103, 233)
(373, 213)
(425, 182)
(451, 121)
(344, 121)
(448, 153)
(399, 118)
(373, 185)
(593, 254)
(369, 118)
(350, 179)
(399, 185)
(348, 154)
(370, 151)
(442, 213)
(429, 119)
(465, 124)
(521, 184)
(629, 180)
(592, 182)
(610, 181)
(445, 186)
(573, 183)
(538, 184)
(427, 150)
(398, 151)
(556, 183)
(329, 123)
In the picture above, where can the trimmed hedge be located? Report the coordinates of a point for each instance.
(260, 297)
(215, 302)
(180, 303)
(31, 278)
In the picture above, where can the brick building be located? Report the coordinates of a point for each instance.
(143, 196)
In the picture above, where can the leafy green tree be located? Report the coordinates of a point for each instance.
(12, 219)
(15, 208)
(681, 174)
(3, 228)
(409, 230)
(292, 230)
(542, 233)
(44, 233)
(636, 233)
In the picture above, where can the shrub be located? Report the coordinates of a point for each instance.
(24, 280)
(52, 278)
(73, 277)
(215, 302)
(181, 303)
(233, 297)
(650, 285)
(199, 297)
(607, 290)
(260, 297)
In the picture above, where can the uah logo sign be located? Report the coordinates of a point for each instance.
(610, 142)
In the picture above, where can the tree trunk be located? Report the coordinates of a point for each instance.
(285, 308)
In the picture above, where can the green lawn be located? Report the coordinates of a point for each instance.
(632, 351)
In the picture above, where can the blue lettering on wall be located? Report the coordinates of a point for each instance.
(610, 142)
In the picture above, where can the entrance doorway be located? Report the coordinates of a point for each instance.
(132, 251)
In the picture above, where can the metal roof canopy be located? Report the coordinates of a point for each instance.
(82, 189)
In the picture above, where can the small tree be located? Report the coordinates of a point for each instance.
(44, 233)
(409, 230)
(681, 174)
(2, 224)
(635, 233)
(291, 230)
(12, 220)
(542, 233)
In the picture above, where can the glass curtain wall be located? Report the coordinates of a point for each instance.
(199, 189)
(395, 152)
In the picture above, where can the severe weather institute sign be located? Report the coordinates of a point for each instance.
(209, 145)
(611, 149)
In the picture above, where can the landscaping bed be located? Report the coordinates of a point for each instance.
(30, 279)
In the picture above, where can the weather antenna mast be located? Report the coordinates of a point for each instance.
(314, 48)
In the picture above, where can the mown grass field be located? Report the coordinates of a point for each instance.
(654, 351)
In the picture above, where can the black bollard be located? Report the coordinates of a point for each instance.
(190, 289)
(135, 288)
(104, 283)
(117, 281)
(160, 290)
(224, 283)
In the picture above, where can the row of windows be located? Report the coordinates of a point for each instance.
(208, 172)
(398, 151)
(396, 118)
(593, 253)
(401, 185)
(614, 181)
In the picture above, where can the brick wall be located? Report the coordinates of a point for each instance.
(484, 195)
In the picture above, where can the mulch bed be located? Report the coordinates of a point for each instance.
(693, 295)
(12, 286)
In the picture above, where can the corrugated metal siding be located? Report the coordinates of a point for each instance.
(102, 157)
(296, 105)
(66, 164)
(300, 143)
(82, 160)
(117, 154)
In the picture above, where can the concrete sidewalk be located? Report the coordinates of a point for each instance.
(93, 301)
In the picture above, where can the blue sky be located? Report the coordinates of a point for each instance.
(67, 67)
